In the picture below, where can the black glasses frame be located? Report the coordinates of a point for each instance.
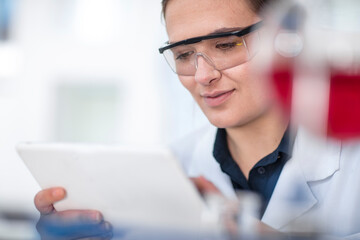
(238, 33)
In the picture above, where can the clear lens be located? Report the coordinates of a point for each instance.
(226, 52)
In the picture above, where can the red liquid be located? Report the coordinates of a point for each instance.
(282, 78)
(344, 105)
(344, 100)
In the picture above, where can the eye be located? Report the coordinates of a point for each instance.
(184, 56)
(228, 45)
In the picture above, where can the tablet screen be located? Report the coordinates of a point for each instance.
(129, 185)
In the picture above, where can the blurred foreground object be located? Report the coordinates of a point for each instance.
(311, 53)
(16, 224)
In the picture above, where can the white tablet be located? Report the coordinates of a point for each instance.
(130, 186)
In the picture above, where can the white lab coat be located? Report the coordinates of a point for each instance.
(318, 188)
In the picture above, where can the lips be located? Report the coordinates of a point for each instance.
(217, 98)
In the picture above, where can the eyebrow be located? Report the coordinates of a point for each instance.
(225, 30)
(219, 30)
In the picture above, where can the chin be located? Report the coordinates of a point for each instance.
(223, 122)
(229, 119)
(220, 118)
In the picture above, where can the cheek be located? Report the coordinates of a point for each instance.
(248, 80)
(254, 89)
(188, 82)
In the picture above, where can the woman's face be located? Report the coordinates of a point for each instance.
(232, 97)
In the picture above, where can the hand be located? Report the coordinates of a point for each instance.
(70, 224)
(204, 186)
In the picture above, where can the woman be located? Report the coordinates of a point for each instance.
(218, 73)
(252, 143)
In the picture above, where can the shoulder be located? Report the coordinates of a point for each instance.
(324, 172)
(201, 139)
(195, 153)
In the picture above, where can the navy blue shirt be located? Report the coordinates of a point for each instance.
(263, 176)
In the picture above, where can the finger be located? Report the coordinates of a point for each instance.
(45, 199)
(71, 217)
(105, 236)
(264, 228)
(204, 186)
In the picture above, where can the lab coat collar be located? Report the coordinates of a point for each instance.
(313, 160)
(320, 158)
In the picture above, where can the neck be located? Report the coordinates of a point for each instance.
(253, 141)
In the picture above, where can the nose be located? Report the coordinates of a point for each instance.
(205, 70)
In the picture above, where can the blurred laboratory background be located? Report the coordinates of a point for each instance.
(84, 71)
